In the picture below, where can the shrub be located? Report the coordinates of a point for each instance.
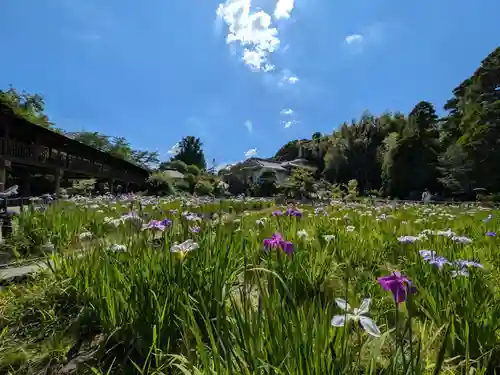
(194, 170)
(178, 165)
(182, 185)
(160, 184)
(203, 187)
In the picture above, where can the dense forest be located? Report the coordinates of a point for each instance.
(401, 155)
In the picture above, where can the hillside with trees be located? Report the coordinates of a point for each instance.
(401, 155)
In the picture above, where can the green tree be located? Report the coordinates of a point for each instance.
(301, 183)
(31, 107)
(116, 146)
(191, 152)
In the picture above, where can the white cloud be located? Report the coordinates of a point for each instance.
(288, 77)
(253, 31)
(354, 38)
(175, 149)
(249, 126)
(287, 112)
(251, 153)
(288, 123)
(283, 9)
(223, 166)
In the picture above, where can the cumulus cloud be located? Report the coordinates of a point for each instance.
(251, 153)
(283, 9)
(253, 30)
(248, 124)
(288, 123)
(354, 38)
(287, 112)
(174, 150)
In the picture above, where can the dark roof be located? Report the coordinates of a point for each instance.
(27, 131)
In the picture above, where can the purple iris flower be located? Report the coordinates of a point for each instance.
(195, 229)
(463, 267)
(408, 239)
(468, 263)
(398, 284)
(166, 222)
(277, 213)
(431, 257)
(278, 242)
(491, 234)
(293, 212)
(155, 225)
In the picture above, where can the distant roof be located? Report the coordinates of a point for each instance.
(270, 165)
(301, 163)
(173, 173)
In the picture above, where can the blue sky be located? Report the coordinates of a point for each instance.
(242, 75)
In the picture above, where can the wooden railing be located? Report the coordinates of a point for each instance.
(36, 154)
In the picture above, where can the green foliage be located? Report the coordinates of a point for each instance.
(227, 307)
(28, 106)
(266, 185)
(191, 152)
(203, 187)
(160, 184)
(83, 187)
(400, 156)
(236, 184)
(194, 170)
(316, 135)
(300, 183)
(352, 189)
(116, 146)
(177, 165)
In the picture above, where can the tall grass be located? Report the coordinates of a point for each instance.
(228, 307)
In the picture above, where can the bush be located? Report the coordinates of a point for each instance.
(159, 183)
(178, 165)
(194, 170)
(203, 188)
(182, 185)
(83, 187)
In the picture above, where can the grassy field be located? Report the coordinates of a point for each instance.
(242, 287)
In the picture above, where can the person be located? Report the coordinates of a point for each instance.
(426, 196)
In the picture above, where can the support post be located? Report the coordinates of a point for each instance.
(25, 182)
(57, 176)
(4, 164)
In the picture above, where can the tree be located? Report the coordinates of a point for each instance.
(116, 146)
(316, 135)
(191, 152)
(28, 106)
(474, 121)
(301, 183)
(455, 168)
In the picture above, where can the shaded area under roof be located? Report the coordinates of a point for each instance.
(24, 131)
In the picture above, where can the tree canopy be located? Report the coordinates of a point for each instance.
(191, 152)
(400, 155)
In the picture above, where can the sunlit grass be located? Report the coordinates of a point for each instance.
(228, 307)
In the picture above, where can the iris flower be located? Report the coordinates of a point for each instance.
(398, 284)
(357, 315)
(278, 242)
